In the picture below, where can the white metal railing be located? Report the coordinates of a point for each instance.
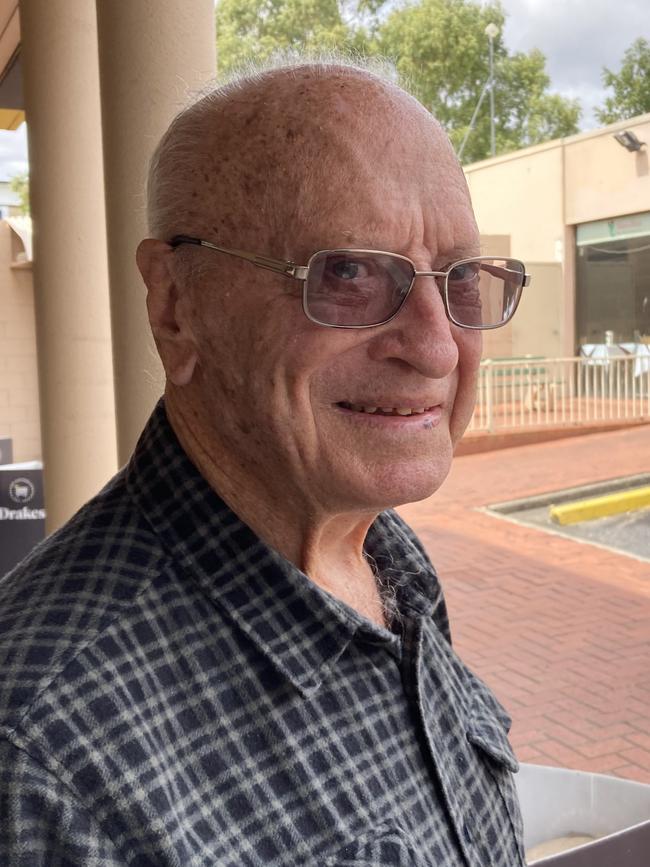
(540, 392)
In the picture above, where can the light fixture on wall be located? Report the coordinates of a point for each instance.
(629, 140)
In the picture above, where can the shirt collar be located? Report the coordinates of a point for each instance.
(301, 628)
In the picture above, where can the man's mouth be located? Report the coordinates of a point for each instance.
(386, 410)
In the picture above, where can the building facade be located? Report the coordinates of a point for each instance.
(577, 212)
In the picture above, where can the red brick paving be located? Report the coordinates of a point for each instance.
(558, 628)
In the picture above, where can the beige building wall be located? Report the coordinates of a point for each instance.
(497, 343)
(19, 407)
(537, 328)
(519, 194)
(537, 196)
(604, 180)
(513, 196)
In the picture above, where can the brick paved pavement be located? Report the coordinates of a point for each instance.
(558, 628)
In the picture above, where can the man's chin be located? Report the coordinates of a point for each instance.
(400, 485)
(415, 493)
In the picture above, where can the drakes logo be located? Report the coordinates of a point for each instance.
(21, 491)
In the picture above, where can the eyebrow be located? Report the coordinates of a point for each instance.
(461, 252)
(351, 238)
(452, 254)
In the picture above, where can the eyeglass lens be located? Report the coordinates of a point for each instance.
(484, 293)
(350, 288)
(366, 288)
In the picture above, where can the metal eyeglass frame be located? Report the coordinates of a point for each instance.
(300, 272)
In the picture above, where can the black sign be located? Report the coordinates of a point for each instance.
(22, 512)
(6, 450)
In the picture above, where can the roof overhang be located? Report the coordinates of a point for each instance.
(11, 86)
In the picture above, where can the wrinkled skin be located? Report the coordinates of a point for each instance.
(300, 164)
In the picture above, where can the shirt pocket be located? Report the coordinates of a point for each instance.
(487, 732)
(384, 847)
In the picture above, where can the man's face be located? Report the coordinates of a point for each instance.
(288, 400)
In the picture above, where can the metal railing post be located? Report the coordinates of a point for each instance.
(489, 396)
(520, 393)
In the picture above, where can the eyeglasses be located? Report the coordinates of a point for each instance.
(366, 288)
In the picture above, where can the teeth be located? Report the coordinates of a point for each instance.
(388, 410)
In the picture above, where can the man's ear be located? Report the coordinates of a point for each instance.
(168, 306)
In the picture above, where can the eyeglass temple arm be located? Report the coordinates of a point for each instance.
(505, 273)
(289, 269)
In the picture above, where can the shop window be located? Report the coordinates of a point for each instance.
(613, 281)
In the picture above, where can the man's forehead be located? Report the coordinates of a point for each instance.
(297, 105)
(293, 147)
(374, 237)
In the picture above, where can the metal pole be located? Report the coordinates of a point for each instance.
(491, 31)
(492, 140)
(473, 120)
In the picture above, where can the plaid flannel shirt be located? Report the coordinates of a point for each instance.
(174, 693)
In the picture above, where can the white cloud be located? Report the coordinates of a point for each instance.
(13, 152)
(578, 37)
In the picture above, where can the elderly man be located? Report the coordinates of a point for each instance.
(234, 655)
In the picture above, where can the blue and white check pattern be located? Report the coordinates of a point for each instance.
(174, 693)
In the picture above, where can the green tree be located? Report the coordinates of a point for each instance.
(441, 48)
(20, 184)
(438, 46)
(256, 29)
(631, 85)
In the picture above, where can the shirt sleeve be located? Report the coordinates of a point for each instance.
(42, 824)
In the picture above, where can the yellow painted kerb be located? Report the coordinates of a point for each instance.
(600, 507)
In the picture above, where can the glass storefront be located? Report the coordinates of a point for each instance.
(613, 280)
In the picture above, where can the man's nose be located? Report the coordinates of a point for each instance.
(420, 334)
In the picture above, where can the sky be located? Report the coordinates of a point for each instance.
(578, 38)
(13, 152)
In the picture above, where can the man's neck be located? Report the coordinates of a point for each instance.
(327, 547)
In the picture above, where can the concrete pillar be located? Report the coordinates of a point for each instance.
(61, 88)
(152, 54)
